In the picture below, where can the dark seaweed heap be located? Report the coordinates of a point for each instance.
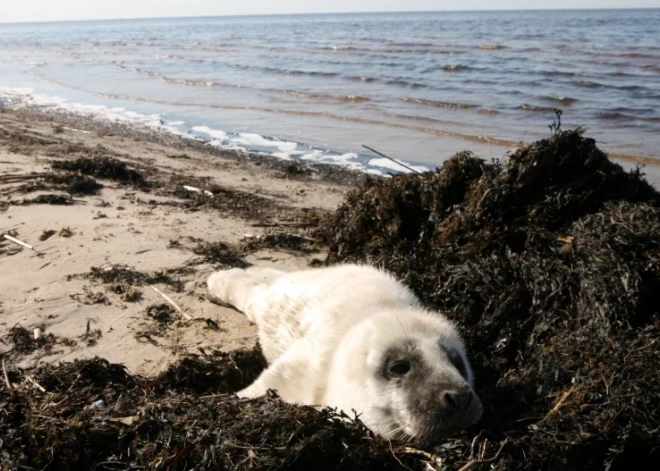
(104, 167)
(551, 265)
(93, 415)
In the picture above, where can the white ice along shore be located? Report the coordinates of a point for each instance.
(16, 98)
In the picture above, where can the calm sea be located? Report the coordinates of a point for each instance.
(417, 86)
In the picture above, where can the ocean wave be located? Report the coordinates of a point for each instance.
(564, 100)
(557, 73)
(614, 115)
(362, 78)
(195, 83)
(213, 83)
(588, 84)
(323, 97)
(491, 47)
(623, 113)
(440, 104)
(535, 108)
(390, 50)
(454, 67)
(638, 55)
(425, 119)
(404, 83)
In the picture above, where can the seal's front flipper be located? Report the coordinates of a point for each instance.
(290, 376)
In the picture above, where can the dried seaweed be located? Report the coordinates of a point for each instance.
(161, 313)
(220, 254)
(24, 342)
(75, 185)
(281, 241)
(50, 198)
(94, 415)
(103, 167)
(120, 274)
(210, 196)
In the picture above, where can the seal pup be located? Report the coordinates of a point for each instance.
(355, 338)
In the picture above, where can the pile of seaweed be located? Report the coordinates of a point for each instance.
(104, 167)
(90, 414)
(550, 263)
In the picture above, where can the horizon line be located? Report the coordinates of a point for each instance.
(322, 13)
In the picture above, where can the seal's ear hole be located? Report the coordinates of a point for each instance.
(398, 368)
(456, 360)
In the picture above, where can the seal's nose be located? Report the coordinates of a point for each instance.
(458, 401)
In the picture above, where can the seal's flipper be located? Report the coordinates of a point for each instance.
(235, 287)
(289, 375)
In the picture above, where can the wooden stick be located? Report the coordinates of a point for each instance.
(197, 190)
(4, 370)
(19, 242)
(20, 178)
(560, 402)
(390, 158)
(38, 386)
(471, 464)
(169, 300)
(77, 130)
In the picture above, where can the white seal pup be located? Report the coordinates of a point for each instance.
(353, 337)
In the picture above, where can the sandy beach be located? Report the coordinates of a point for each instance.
(153, 228)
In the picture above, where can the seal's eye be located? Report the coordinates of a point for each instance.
(398, 368)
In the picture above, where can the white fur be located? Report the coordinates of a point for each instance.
(325, 332)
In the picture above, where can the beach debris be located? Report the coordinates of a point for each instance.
(130, 420)
(89, 297)
(220, 254)
(244, 204)
(280, 241)
(401, 164)
(17, 241)
(25, 342)
(66, 232)
(76, 130)
(12, 178)
(4, 371)
(47, 234)
(126, 292)
(161, 312)
(197, 190)
(74, 184)
(35, 384)
(172, 303)
(99, 405)
(121, 274)
(103, 167)
(51, 198)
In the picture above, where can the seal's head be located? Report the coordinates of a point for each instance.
(408, 376)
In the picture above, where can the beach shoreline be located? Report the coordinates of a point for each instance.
(169, 230)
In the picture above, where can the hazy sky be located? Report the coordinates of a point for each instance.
(50, 10)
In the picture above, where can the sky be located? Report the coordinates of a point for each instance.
(57, 10)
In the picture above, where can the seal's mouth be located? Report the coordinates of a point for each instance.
(441, 423)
